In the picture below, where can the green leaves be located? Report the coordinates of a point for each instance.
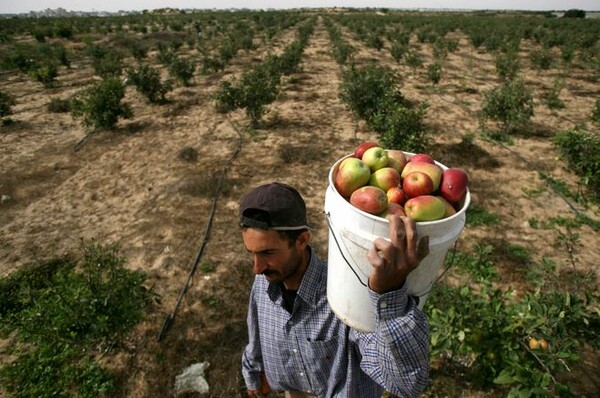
(100, 106)
(62, 313)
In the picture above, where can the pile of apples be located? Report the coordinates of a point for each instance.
(387, 181)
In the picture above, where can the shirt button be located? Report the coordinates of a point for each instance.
(295, 351)
(383, 305)
(301, 374)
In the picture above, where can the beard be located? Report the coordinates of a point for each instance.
(291, 269)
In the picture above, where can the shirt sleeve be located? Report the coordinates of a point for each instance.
(252, 364)
(396, 355)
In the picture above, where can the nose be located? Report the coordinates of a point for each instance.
(259, 266)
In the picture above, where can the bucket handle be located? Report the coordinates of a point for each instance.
(446, 269)
(342, 252)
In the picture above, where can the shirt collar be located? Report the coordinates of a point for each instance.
(313, 285)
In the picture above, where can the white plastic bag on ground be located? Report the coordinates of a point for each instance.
(192, 379)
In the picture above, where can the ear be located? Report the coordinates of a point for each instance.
(303, 240)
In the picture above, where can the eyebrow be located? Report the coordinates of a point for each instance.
(263, 251)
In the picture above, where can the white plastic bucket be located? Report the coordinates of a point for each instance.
(351, 234)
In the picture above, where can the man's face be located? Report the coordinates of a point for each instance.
(274, 257)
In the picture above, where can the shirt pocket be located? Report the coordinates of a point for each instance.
(320, 358)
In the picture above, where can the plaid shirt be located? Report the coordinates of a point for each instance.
(311, 350)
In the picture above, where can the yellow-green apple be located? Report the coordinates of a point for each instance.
(396, 195)
(385, 178)
(351, 174)
(376, 158)
(393, 208)
(417, 183)
(397, 159)
(422, 157)
(450, 210)
(454, 184)
(425, 208)
(370, 199)
(432, 170)
(362, 147)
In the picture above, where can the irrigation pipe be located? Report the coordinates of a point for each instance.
(170, 317)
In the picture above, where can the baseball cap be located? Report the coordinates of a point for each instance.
(273, 206)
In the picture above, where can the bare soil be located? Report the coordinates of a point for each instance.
(132, 187)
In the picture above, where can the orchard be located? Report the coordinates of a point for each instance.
(127, 141)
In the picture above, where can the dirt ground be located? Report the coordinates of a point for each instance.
(131, 186)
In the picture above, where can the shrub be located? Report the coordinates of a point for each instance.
(510, 104)
(182, 70)
(258, 88)
(398, 50)
(64, 313)
(595, 115)
(146, 80)
(364, 90)
(100, 106)
(401, 127)
(581, 150)
(507, 65)
(434, 72)
(487, 332)
(413, 59)
(107, 62)
(542, 58)
(45, 74)
(228, 97)
(552, 96)
(6, 104)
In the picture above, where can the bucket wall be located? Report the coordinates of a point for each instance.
(351, 235)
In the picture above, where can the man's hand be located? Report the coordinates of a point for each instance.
(264, 389)
(393, 261)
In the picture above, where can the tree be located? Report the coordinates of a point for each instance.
(574, 13)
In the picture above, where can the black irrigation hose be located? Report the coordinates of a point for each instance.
(170, 317)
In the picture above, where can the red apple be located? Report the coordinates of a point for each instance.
(397, 159)
(396, 195)
(432, 170)
(450, 210)
(417, 183)
(351, 174)
(425, 208)
(454, 183)
(369, 199)
(385, 178)
(376, 158)
(362, 147)
(422, 157)
(393, 208)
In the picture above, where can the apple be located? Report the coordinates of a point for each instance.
(385, 178)
(376, 158)
(433, 170)
(396, 195)
(453, 186)
(424, 208)
(351, 174)
(393, 208)
(362, 147)
(450, 210)
(370, 199)
(417, 183)
(422, 157)
(397, 159)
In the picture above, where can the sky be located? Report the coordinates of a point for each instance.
(24, 6)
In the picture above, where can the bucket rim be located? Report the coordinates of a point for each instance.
(463, 208)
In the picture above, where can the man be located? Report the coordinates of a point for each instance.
(296, 343)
